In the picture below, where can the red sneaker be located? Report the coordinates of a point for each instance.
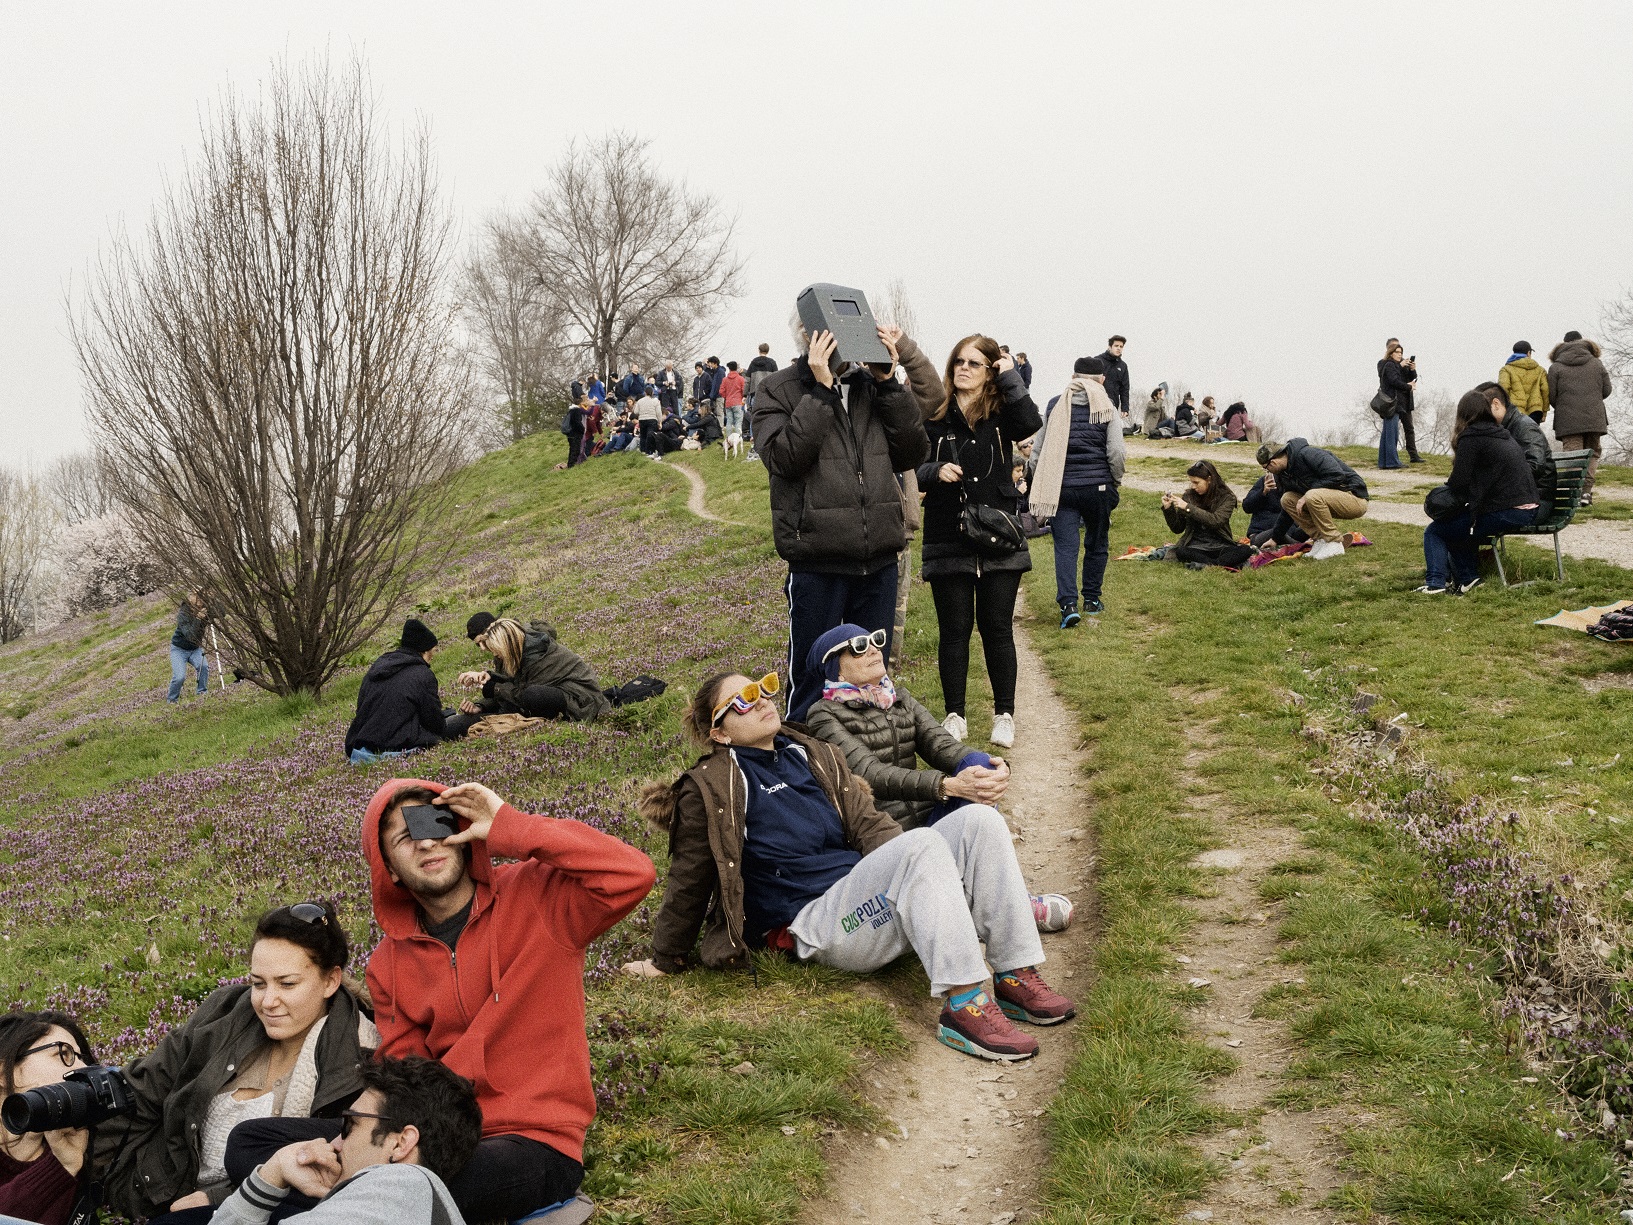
(1024, 996)
(981, 1029)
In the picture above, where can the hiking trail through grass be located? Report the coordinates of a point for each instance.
(962, 1139)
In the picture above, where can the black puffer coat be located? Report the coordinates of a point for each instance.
(985, 454)
(1490, 471)
(882, 747)
(835, 505)
(159, 1146)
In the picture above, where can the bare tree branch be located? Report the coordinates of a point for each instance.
(270, 376)
(28, 521)
(638, 266)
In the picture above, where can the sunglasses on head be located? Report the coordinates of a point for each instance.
(309, 912)
(745, 698)
(859, 645)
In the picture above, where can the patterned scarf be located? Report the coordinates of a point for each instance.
(882, 694)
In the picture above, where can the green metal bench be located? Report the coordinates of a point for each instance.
(1570, 472)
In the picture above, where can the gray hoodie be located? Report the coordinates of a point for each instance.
(379, 1195)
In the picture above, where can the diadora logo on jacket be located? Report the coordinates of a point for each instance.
(875, 912)
(774, 788)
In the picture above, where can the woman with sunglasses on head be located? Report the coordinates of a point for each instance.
(287, 1043)
(985, 410)
(40, 1171)
(774, 843)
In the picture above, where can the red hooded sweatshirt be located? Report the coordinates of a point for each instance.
(506, 1008)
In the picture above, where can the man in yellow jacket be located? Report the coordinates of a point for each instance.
(1525, 381)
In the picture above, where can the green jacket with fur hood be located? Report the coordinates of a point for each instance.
(703, 812)
(546, 662)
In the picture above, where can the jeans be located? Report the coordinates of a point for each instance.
(941, 891)
(1455, 542)
(1388, 456)
(179, 659)
(1084, 513)
(649, 437)
(732, 420)
(817, 603)
(507, 1177)
(963, 602)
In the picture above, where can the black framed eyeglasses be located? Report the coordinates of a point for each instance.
(859, 645)
(349, 1117)
(66, 1051)
(309, 912)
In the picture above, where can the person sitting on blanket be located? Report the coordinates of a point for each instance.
(398, 709)
(532, 675)
(773, 842)
(1202, 516)
(883, 731)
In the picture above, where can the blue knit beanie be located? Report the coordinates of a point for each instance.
(830, 667)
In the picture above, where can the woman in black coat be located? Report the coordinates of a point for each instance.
(985, 410)
(1397, 377)
(1493, 479)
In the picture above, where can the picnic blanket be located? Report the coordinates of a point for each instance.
(1583, 620)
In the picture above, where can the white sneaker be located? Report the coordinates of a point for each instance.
(1321, 550)
(1052, 912)
(956, 727)
(1003, 731)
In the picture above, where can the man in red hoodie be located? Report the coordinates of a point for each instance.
(482, 967)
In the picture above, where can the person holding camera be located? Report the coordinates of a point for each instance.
(410, 1132)
(40, 1170)
(984, 411)
(287, 1043)
(1202, 516)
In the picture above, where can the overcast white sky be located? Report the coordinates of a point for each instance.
(1255, 194)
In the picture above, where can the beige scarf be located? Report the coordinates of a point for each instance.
(1044, 496)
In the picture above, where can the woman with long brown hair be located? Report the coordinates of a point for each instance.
(985, 410)
(1202, 516)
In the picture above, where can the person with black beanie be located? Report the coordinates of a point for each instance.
(398, 709)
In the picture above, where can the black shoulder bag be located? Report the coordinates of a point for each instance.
(987, 530)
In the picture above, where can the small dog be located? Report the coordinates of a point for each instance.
(733, 445)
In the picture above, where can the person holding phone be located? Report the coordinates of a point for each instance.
(1398, 377)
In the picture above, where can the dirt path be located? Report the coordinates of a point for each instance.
(1280, 1166)
(700, 490)
(964, 1141)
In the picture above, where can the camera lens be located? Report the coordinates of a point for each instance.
(48, 1107)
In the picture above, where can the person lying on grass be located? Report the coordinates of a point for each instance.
(482, 966)
(775, 843)
(411, 1130)
(883, 731)
(1202, 516)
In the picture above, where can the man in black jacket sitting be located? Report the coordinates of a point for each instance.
(398, 708)
(833, 439)
(1316, 487)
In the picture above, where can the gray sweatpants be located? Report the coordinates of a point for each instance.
(939, 891)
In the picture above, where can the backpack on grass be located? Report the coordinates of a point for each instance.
(637, 690)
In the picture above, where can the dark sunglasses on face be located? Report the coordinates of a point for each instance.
(859, 645)
(966, 363)
(349, 1117)
(65, 1051)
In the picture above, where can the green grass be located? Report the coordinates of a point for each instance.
(1214, 660)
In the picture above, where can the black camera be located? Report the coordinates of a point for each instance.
(83, 1098)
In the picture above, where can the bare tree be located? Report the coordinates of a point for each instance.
(270, 377)
(78, 487)
(520, 330)
(896, 308)
(28, 520)
(640, 265)
(1616, 320)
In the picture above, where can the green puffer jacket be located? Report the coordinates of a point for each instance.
(154, 1151)
(546, 662)
(882, 747)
